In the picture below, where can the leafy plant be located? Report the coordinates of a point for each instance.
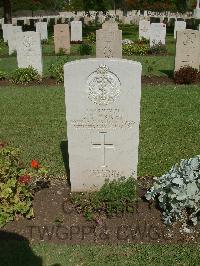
(61, 52)
(17, 185)
(185, 75)
(118, 196)
(56, 69)
(25, 75)
(91, 38)
(85, 49)
(135, 49)
(3, 75)
(178, 192)
(150, 66)
(159, 48)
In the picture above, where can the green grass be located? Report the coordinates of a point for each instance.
(33, 118)
(61, 255)
(162, 65)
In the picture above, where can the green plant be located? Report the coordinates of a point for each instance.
(118, 196)
(25, 75)
(135, 49)
(185, 75)
(3, 75)
(17, 185)
(91, 38)
(178, 192)
(56, 69)
(159, 48)
(85, 49)
(150, 66)
(61, 52)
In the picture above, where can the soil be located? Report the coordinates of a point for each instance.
(57, 221)
(151, 80)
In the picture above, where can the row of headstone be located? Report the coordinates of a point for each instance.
(92, 16)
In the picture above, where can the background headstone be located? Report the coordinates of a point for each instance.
(13, 37)
(6, 28)
(62, 38)
(76, 31)
(103, 115)
(157, 33)
(41, 27)
(29, 51)
(179, 25)
(144, 29)
(187, 49)
(109, 41)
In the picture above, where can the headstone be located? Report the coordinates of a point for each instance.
(76, 31)
(29, 51)
(187, 49)
(179, 25)
(144, 29)
(62, 38)
(5, 28)
(41, 27)
(103, 117)
(197, 10)
(13, 37)
(14, 21)
(109, 41)
(157, 33)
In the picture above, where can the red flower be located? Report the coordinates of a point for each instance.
(34, 164)
(24, 179)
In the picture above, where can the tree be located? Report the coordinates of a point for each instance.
(7, 10)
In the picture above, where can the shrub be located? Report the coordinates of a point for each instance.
(25, 75)
(91, 38)
(150, 65)
(135, 49)
(17, 185)
(178, 192)
(56, 69)
(3, 75)
(85, 49)
(61, 52)
(118, 196)
(185, 75)
(158, 49)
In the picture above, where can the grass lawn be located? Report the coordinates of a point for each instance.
(162, 65)
(60, 255)
(33, 118)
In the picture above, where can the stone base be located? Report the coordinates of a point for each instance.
(197, 13)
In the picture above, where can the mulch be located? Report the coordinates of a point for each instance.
(57, 221)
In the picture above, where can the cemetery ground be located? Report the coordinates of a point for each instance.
(33, 119)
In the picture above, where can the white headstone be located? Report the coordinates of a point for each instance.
(76, 31)
(179, 25)
(41, 27)
(109, 41)
(103, 115)
(144, 29)
(12, 38)
(5, 28)
(29, 51)
(188, 49)
(157, 33)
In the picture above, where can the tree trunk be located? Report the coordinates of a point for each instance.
(7, 11)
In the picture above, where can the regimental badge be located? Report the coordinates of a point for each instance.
(104, 87)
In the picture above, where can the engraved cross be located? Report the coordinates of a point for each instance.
(103, 145)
